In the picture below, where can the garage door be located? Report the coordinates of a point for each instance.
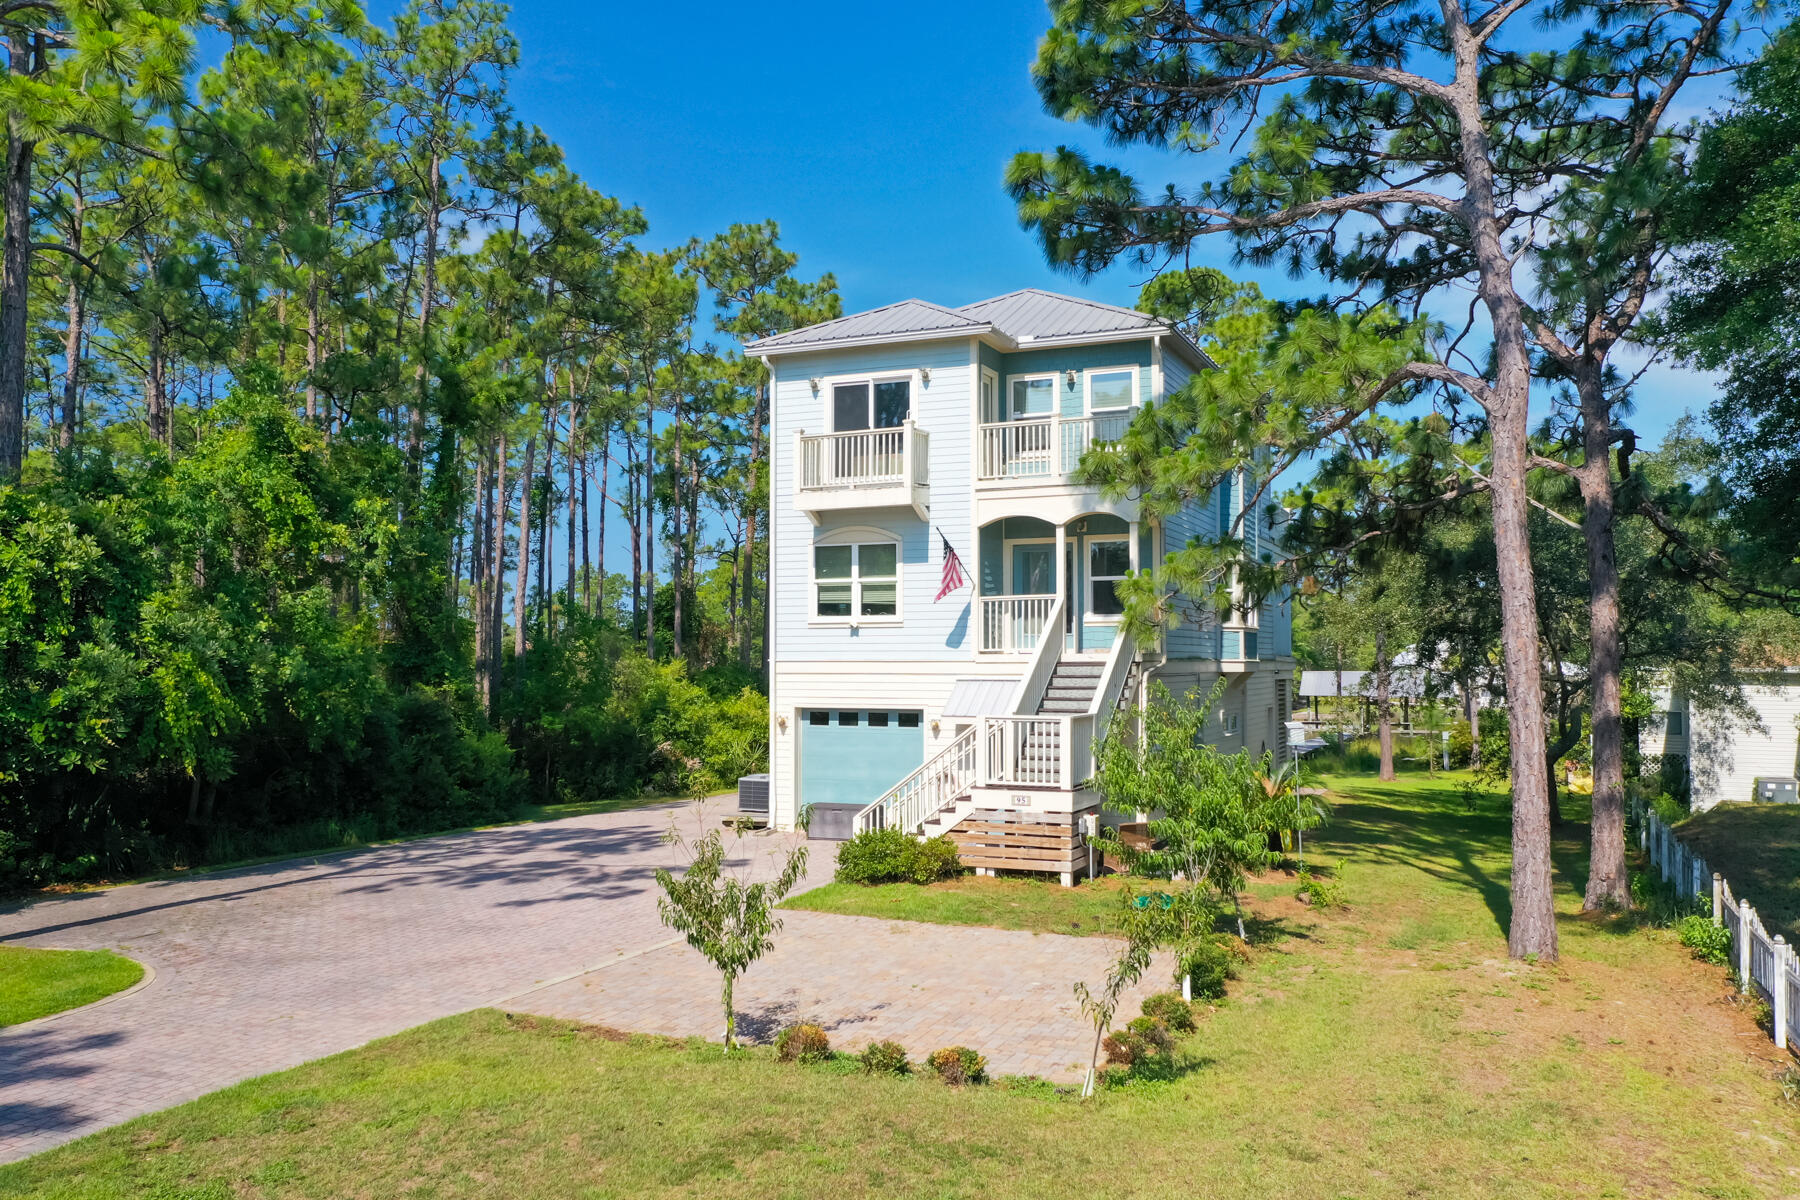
(852, 756)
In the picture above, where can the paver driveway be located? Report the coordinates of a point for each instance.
(264, 968)
(267, 967)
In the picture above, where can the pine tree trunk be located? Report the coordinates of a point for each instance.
(1608, 885)
(649, 499)
(522, 577)
(156, 403)
(415, 425)
(677, 540)
(15, 277)
(477, 567)
(497, 574)
(1384, 704)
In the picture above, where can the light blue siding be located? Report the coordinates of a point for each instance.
(855, 764)
(1077, 358)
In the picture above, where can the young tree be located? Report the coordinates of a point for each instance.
(727, 919)
(1412, 153)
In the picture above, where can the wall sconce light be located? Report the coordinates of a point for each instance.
(1069, 376)
(815, 385)
(782, 722)
(934, 729)
(925, 375)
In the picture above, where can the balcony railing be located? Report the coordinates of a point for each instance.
(864, 468)
(1046, 449)
(1013, 624)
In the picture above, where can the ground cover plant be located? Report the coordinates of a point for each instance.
(1387, 1050)
(36, 983)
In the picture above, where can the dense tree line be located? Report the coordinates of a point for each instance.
(321, 374)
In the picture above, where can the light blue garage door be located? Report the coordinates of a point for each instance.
(852, 756)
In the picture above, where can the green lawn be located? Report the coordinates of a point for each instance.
(1757, 847)
(1386, 1050)
(1040, 905)
(36, 983)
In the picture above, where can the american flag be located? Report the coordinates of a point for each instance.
(953, 570)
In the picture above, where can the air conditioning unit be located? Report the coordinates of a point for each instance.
(1777, 789)
(753, 795)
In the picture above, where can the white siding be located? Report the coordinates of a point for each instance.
(1727, 754)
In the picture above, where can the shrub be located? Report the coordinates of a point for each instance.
(1321, 893)
(889, 856)
(1462, 744)
(1208, 964)
(802, 1043)
(1143, 1039)
(1171, 1010)
(885, 1058)
(957, 1065)
(1710, 943)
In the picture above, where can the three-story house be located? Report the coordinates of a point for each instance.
(902, 431)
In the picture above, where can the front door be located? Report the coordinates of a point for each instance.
(1033, 574)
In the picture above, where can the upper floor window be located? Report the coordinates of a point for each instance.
(856, 580)
(870, 404)
(1032, 397)
(1111, 390)
(1675, 723)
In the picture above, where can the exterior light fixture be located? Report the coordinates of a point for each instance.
(815, 384)
(924, 374)
(1069, 375)
(782, 722)
(934, 729)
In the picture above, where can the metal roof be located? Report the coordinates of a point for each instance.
(981, 698)
(915, 317)
(1404, 683)
(1032, 314)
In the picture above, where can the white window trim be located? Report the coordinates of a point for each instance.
(1088, 615)
(828, 400)
(989, 375)
(1087, 388)
(860, 536)
(1056, 391)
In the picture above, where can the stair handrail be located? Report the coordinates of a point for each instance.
(1119, 662)
(938, 783)
(1030, 692)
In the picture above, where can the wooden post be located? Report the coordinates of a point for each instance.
(1743, 946)
(1718, 898)
(1782, 952)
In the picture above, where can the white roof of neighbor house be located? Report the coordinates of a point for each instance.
(1030, 316)
(1404, 683)
(980, 698)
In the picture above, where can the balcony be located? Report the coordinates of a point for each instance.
(864, 468)
(1043, 449)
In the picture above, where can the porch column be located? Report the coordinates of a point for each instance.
(1133, 527)
(1064, 587)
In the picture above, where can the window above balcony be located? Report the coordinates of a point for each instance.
(1049, 420)
(872, 455)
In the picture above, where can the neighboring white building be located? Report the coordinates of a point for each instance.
(1725, 752)
(897, 430)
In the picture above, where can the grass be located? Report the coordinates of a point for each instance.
(1757, 847)
(36, 983)
(1038, 905)
(1386, 1050)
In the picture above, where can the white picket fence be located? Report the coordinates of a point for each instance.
(1765, 963)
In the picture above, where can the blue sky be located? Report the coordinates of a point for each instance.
(876, 135)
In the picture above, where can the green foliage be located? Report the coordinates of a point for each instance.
(884, 1058)
(1143, 1040)
(889, 856)
(1171, 1010)
(803, 1044)
(1709, 942)
(1208, 964)
(1321, 893)
(958, 1065)
(729, 920)
(1661, 904)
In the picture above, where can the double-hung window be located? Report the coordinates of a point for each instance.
(856, 580)
(870, 404)
(1109, 561)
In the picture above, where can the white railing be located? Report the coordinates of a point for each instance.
(1766, 964)
(1044, 448)
(1014, 624)
(1018, 450)
(1113, 677)
(945, 777)
(860, 458)
(1076, 437)
(1025, 751)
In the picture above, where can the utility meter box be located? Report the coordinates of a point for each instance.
(1777, 789)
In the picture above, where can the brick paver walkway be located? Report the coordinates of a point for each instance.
(267, 967)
